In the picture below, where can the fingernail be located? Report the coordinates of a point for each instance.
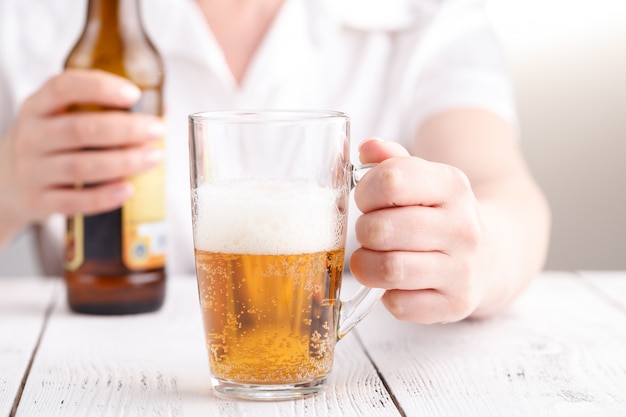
(153, 156)
(130, 92)
(156, 130)
(123, 191)
(369, 140)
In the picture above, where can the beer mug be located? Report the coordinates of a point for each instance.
(270, 196)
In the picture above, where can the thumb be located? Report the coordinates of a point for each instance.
(377, 150)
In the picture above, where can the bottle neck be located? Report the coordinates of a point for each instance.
(114, 40)
(118, 18)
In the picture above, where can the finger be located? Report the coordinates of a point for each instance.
(410, 228)
(82, 130)
(418, 228)
(423, 287)
(406, 181)
(402, 269)
(427, 306)
(88, 201)
(376, 150)
(82, 87)
(88, 167)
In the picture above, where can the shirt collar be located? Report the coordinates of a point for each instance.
(377, 15)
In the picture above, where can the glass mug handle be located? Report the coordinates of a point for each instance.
(352, 311)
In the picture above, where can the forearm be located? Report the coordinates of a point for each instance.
(11, 222)
(8, 231)
(515, 221)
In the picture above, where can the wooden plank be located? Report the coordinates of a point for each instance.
(23, 305)
(611, 284)
(155, 365)
(559, 351)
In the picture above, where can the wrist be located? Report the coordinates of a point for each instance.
(12, 219)
(8, 230)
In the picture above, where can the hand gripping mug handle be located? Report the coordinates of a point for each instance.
(352, 311)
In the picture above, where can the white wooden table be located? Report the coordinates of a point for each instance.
(559, 351)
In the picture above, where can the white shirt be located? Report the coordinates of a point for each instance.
(388, 64)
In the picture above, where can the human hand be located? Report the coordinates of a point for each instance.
(47, 151)
(420, 233)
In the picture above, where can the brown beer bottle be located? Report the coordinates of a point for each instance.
(115, 261)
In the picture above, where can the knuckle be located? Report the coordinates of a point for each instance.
(454, 172)
(401, 315)
(32, 199)
(58, 85)
(21, 146)
(460, 181)
(81, 129)
(97, 203)
(78, 168)
(474, 232)
(375, 231)
(22, 172)
(465, 268)
(85, 201)
(470, 233)
(29, 102)
(462, 301)
(403, 307)
(461, 306)
(19, 149)
(131, 161)
(68, 205)
(391, 182)
(98, 84)
(132, 126)
(391, 268)
(395, 306)
(23, 138)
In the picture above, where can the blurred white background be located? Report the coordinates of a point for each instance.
(568, 59)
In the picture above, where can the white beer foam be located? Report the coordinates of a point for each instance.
(267, 217)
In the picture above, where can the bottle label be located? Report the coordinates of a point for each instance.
(74, 247)
(138, 235)
(144, 234)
